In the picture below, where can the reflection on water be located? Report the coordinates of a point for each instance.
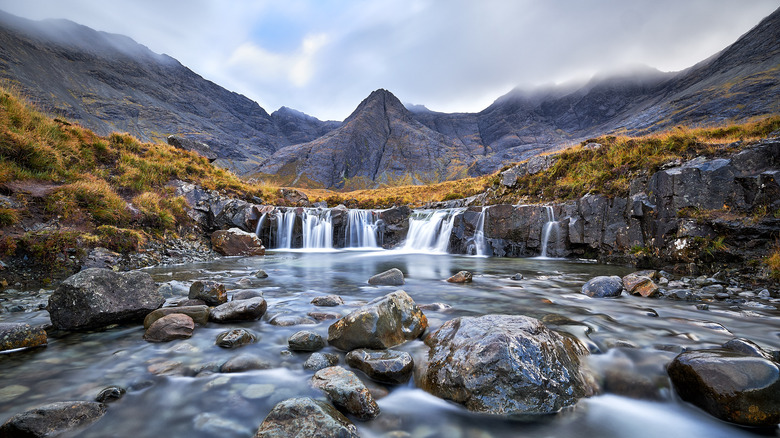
(173, 389)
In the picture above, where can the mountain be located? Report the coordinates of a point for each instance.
(108, 82)
(380, 142)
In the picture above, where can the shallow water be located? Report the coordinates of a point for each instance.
(165, 398)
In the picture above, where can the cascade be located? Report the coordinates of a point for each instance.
(285, 221)
(549, 227)
(317, 229)
(429, 230)
(361, 229)
(480, 245)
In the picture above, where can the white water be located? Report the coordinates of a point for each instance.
(284, 229)
(429, 231)
(549, 227)
(317, 229)
(361, 229)
(480, 245)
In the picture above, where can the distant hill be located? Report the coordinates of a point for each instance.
(108, 82)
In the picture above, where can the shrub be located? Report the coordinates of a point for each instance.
(8, 217)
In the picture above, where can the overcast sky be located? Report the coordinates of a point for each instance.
(323, 57)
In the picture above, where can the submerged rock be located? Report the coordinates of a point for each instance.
(346, 391)
(391, 277)
(235, 338)
(732, 386)
(243, 362)
(384, 322)
(501, 364)
(603, 287)
(237, 242)
(169, 328)
(199, 314)
(461, 277)
(386, 366)
(305, 418)
(210, 292)
(95, 297)
(19, 335)
(242, 310)
(53, 419)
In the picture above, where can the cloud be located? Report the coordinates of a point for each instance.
(296, 68)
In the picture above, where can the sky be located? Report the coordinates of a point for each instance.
(323, 57)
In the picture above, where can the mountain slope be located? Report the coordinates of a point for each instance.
(108, 83)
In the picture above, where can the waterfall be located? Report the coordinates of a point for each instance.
(549, 227)
(429, 230)
(361, 229)
(317, 229)
(284, 229)
(480, 245)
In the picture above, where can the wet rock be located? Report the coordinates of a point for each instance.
(603, 287)
(235, 338)
(680, 295)
(506, 365)
(386, 366)
(729, 385)
(95, 297)
(246, 294)
(747, 347)
(101, 258)
(640, 285)
(187, 302)
(243, 362)
(305, 417)
(384, 322)
(439, 307)
(346, 391)
(324, 316)
(199, 314)
(210, 292)
(19, 335)
(237, 242)
(318, 361)
(241, 310)
(169, 328)
(328, 301)
(53, 419)
(260, 274)
(110, 394)
(283, 320)
(391, 277)
(517, 277)
(305, 340)
(460, 277)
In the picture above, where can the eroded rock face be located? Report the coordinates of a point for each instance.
(18, 335)
(305, 417)
(242, 310)
(346, 391)
(507, 365)
(237, 242)
(730, 385)
(53, 419)
(384, 322)
(97, 297)
(386, 366)
(169, 328)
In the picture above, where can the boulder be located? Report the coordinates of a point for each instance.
(386, 366)
(460, 277)
(20, 335)
(305, 340)
(208, 291)
(732, 386)
(391, 277)
(318, 361)
(241, 310)
(507, 365)
(169, 328)
(640, 285)
(303, 418)
(384, 322)
(346, 391)
(53, 419)
(235, 338)
(237, 242)
(603, 287)
(199, 314)
(328, 301)
(97, 297)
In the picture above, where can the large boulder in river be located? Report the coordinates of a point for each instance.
(53, 419)
(384, 322)
(20, 335)
(603, 287)
(236, 242)
(169, 328)
(305, 418)
(731, 385)
(98, 297)
(502, 364)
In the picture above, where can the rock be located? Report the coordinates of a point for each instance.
(324, 316)
(260, 274)
(246, 294)
(110, 394)
(169, 328)
(747, 347)
(20, 335)
(502, 364)
(318, 361)
(729, 385)
(640, 285)
(214, 425)
(460, 277)
(382, 323)
(199, 314)
(95, 297)
(328, 301)
(305, 340)
(517, 277)
(241, 310)
(235, 338)
(294, 197)
(437, 307)
(243, 362)
(603, 287)
(391, 277)
(101, 258)
(53, 419)
(346, 391)
(386, 366)
(305, 417)
(283, 320)
(237, 242)
(209, 291)
(189, 144)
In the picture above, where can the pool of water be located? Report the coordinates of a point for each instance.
(171, 391)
